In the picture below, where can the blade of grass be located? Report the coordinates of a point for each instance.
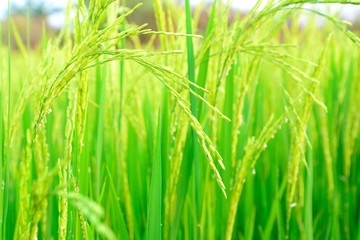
(137, 182)
(250, 226)
(204, 62)
(194, 110)
(154, 218)
(274, 210)
(309, 195)
(120, 221)
(100, 81)
(182, 187)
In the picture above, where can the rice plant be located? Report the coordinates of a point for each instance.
(247, 129)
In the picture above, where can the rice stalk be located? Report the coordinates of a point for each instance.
(252, 151)
(298, 138)
(23, 224)
(82, 126)
(323, 123)
(39, 198)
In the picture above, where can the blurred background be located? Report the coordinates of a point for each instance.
(51, 15)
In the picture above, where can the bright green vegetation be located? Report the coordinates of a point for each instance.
(248, 130)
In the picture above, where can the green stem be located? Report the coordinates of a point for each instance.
(194, 110)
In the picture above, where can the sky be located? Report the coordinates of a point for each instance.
(349, 12)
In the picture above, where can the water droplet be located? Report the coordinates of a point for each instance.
(265, 146)
(253, 171)
(292, 205)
